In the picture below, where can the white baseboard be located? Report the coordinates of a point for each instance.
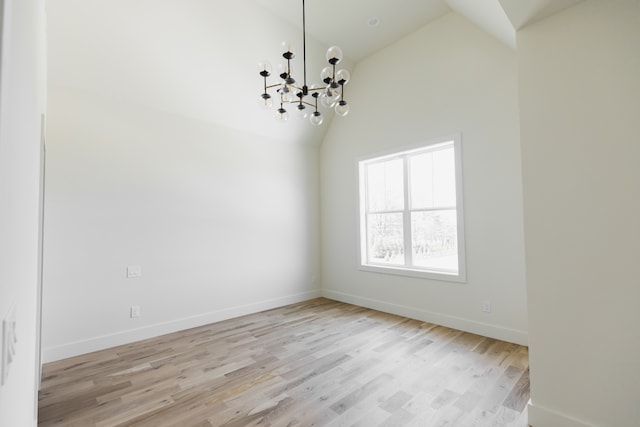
(484, 329)
(544, 417)
(102, 342)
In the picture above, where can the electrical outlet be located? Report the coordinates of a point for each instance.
(135, 311)
(9, 341)
(134, 271)
(486, 306)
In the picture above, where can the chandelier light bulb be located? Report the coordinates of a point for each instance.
(283, 71)
(342, 109)
(326, 75)
(282, 114)
(302, 110)
(265, 101)
(332, 92)
(287, 50)
(334, 55)
(264, 68)
(343, 76)
(328, 101)
(316, 118)
(328, 92)
(287, 96)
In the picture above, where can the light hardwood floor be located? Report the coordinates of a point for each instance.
(317, 363)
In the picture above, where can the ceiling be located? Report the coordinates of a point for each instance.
(347, 23)
(197, 58)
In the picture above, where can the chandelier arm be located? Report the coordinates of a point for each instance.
(297, 101)
(308, 103)
(316, 89)
(308, 89)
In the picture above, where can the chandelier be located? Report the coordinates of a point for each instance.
(290, 95)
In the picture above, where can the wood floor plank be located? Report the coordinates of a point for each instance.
(316, 363)
(519, 395)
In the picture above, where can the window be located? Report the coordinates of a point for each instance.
(411, 220)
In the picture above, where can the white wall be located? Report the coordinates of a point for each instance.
(22, 102)
(580, 119)
(222, 223)
(158, 158)
(449, 77)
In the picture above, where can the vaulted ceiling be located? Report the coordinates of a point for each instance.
(363, 27)
(198, 58)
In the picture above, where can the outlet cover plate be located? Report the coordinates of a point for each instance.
(135, 311)
(486, 306)
(134, 271)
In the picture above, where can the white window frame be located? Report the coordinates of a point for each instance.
(406, 270)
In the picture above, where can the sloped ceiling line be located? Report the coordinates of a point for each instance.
(503, 18)
(488, 15)
(500, 18)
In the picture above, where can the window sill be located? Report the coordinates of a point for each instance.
(409, 272)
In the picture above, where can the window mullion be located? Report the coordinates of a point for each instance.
(406, 216)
